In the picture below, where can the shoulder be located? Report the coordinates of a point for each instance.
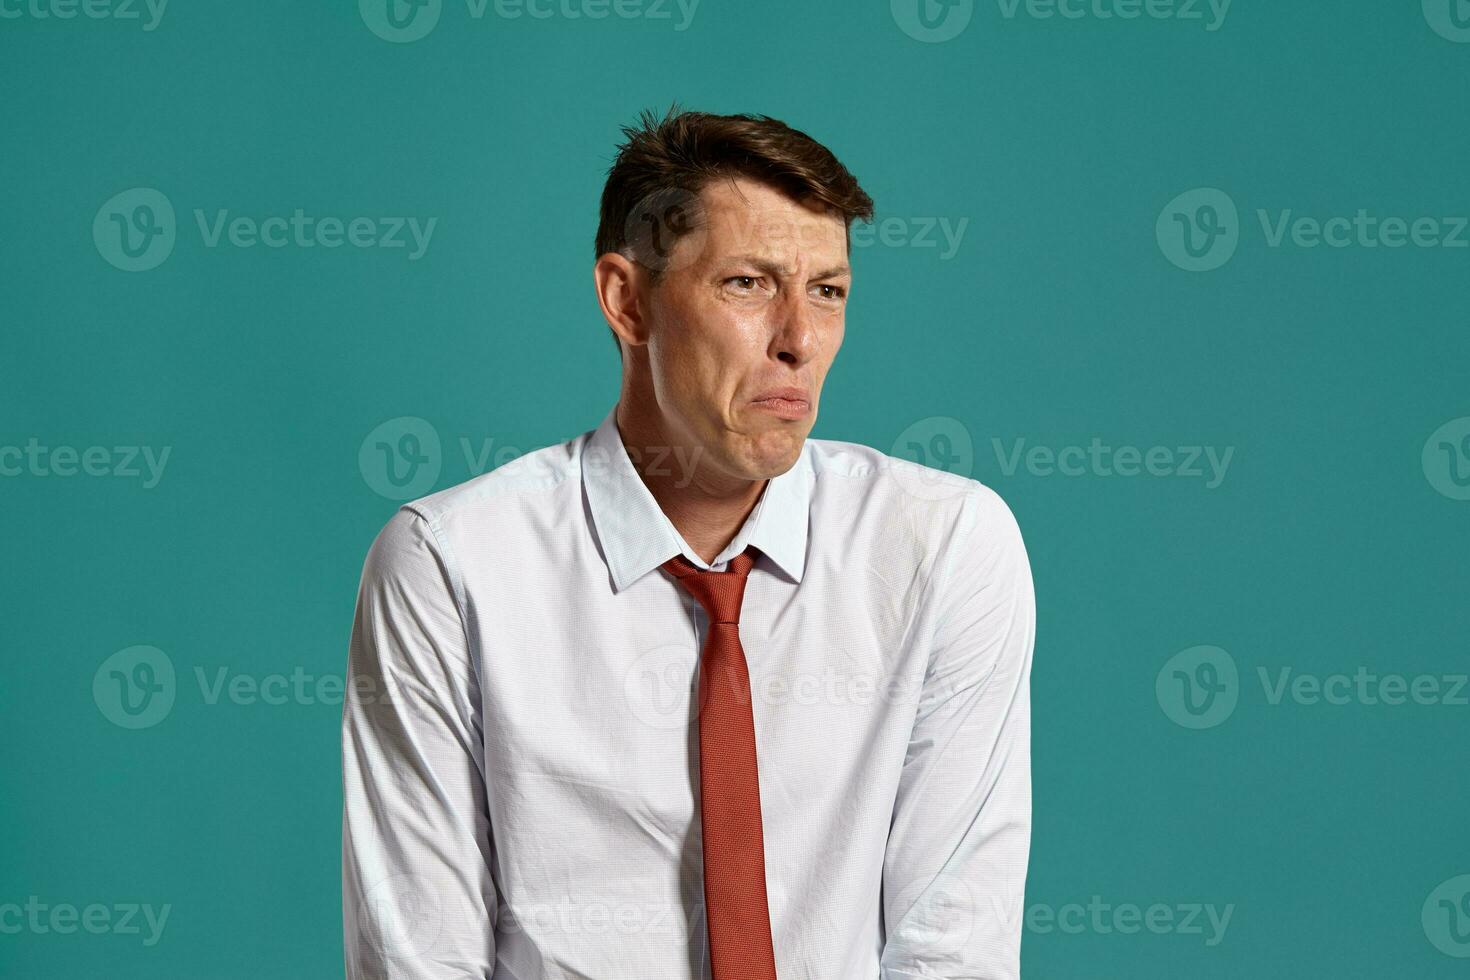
(538, 473)
(954, 504)
(421, 533)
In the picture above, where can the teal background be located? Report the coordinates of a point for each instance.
(1327, 546)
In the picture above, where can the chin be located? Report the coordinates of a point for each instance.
(776, 450)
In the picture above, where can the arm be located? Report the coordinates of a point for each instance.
(954, 872)
(418, 902)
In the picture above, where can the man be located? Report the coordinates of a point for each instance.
(692, 695)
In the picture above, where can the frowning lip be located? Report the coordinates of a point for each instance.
(788, 403)
(789, 394)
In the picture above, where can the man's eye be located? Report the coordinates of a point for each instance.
(744, 282)
(830, 291)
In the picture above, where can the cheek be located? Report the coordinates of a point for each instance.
(712, 336)
(832, 340)
(745, 332)
(692, 352)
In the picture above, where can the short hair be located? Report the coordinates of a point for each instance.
(670, 160)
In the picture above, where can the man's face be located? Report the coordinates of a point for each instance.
(750, 303)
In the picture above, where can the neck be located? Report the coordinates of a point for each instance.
(707, 507)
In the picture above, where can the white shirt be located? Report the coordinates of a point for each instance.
(520, 748)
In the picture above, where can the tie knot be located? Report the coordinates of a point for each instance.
(720, 593)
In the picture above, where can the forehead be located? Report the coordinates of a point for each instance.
(753, 218)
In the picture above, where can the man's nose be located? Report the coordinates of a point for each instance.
(795, 337)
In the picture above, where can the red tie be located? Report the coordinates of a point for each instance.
(736, 914)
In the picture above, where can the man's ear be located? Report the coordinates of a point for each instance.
(622, 287)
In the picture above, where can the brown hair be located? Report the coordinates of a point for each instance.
(666, 162)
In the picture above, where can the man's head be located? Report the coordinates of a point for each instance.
(722, 269)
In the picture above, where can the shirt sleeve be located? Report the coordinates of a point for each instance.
(954, 871)
(418, 900)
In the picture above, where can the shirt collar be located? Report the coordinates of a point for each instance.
(636, 536)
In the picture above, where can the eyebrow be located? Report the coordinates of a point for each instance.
(775, 268)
